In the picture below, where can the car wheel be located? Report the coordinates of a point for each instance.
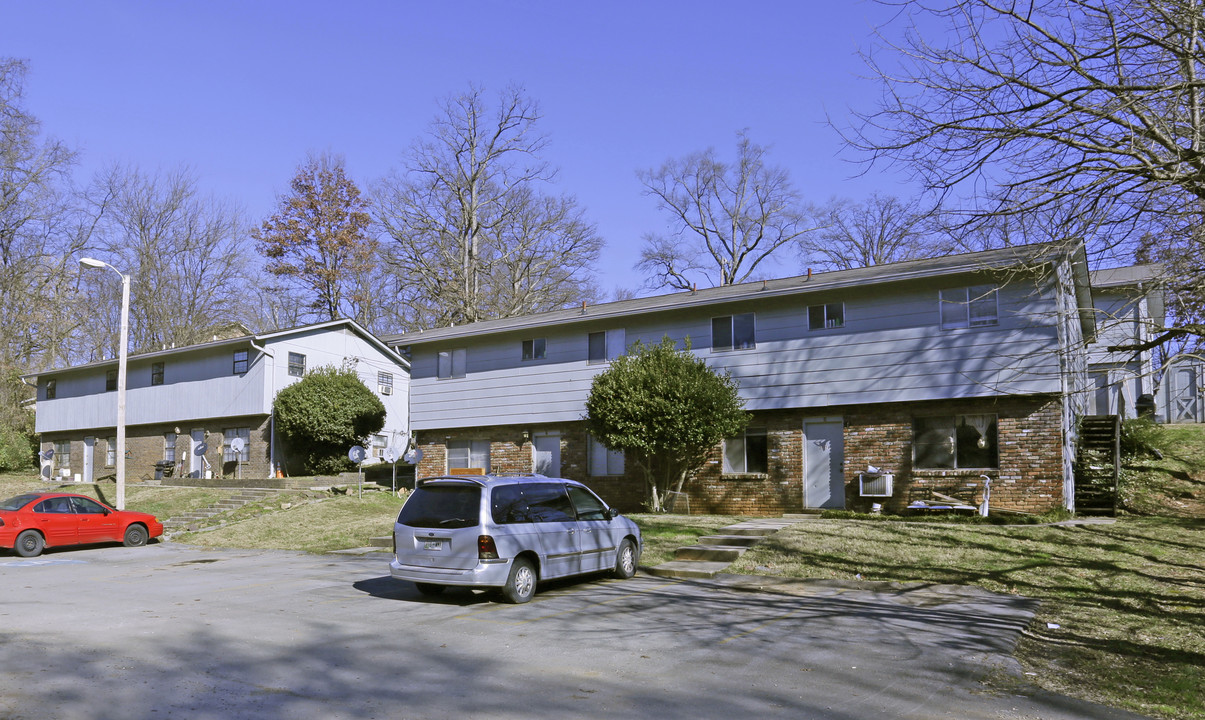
(625, 560)
(29, 544)
(429, 589)
(135, 536)
(521, 583)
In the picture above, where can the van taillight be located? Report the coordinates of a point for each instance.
(486, 549)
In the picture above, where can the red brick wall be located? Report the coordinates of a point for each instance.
(1030, 476)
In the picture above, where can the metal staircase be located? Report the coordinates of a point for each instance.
(1098, 465)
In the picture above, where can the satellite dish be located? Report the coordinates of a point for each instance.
(356, 454)
(200, 449)
(237, 444)
(413, 456)
(391, 455)
(48, 454)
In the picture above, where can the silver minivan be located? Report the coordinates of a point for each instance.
(508, 532)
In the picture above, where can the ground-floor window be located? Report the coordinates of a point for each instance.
(169, 447)
(379, 444)
(228, 453)
(469, 454)
(746, 453)
(955, 441)
(62, 452)
(110, 451)
(603, 461)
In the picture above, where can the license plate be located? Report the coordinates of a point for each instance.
(433, 545)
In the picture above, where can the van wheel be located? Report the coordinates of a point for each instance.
(625, 560)
(135, 536)
(429, 589)
(29, 544)
(521, 583)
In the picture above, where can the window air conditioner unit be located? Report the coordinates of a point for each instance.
(385, 389)
(875, 484)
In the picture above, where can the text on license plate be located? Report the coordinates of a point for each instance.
(432, 544)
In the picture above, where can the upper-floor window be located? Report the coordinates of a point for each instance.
(603, 461)
(469, 454)
(296, 364)
(606, 346)
(110, 380)
(241, 362)
(830, 315)
(974, 306)
(157, 373)
(451, 363)
(385, 383)
(228, 452)
(746, 453)
(733, 332)
(52, 389)
(955, 441)
(535, 349)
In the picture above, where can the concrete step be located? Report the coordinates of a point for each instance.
(734, 540)
(710, 553)
(385, 541)
(688, 569)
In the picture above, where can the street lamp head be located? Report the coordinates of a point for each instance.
(92, 263)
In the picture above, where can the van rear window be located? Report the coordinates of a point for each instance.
(442, 506)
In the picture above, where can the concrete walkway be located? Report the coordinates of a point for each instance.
(714, 553)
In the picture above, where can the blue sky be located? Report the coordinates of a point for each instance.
(242, 91)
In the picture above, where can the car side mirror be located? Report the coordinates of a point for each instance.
(612, 513)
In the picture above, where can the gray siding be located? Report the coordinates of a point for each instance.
(891, 349)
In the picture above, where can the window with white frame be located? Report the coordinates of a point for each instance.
(169, 447)
(955, 441)
(826, 317)
(385, 383)
(535, 349)
(379, 444)
(110, 451)
(62, 453)
(602, 461)
(296, 364)
(747, 453)
(607, 345)
(451, 363)
(733, 332)
(228, 453)
(968, 307)
(469, 454)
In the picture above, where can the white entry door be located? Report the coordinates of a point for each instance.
(194, 460)
(547, 454)
(824, 463)
(89, 458)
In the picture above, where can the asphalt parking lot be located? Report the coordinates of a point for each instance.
(173, 631)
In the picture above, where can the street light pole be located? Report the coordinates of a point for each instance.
(120, 459)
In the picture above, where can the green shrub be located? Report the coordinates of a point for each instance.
(17, 450)
(1141, 437)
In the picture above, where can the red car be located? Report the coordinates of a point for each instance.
(33, 521)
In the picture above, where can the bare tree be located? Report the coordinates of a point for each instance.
(317, 242)
(185, 253)
(473, 235)
(1094, 109)
(883, 229)
(725, 220)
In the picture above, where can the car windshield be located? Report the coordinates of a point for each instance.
(442, 506)
(18, 502)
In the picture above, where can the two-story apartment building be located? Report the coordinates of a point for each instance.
(938, 373)
(203, 397)
(1129, 305)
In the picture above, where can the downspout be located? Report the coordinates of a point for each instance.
(271, 408)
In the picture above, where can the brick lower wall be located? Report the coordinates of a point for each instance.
(145, 447)
(1029, 477)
